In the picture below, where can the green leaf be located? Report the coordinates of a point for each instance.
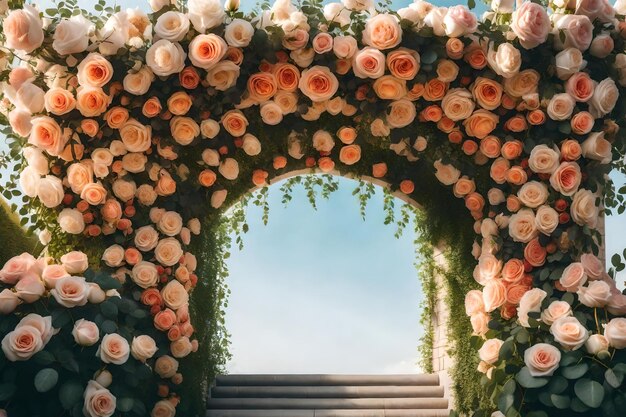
(6, 391)
(575, 372)
(125, 404)
(46, 379)
(526, 380)
(43, 358)
(70, 394)
(560, 401)
(109, 309)
(613, 378)
(591, 393)
(67, 360)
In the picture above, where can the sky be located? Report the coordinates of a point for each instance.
(324, 291)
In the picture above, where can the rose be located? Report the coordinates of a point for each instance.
(534, 253)
(490, 350)
(271, 113)
(480, 322)
(71, 291)
(71, 221)
(143, 347)
(596, 343)
(480, 124)
(164, 319)
(59, 101)
(604, 98)
(85, 332)
(50, 191)
(459, 21)
(181, 347)
(458, 104)
(382, 31)
(368, 63)
(489, 267)
(447, 70)
(322, 43)
(566, 178)
(234, 122)
(531, 24)
(401, 113)
(614, 331)
(179, 103)
(91, 101)
(595, 294)
(184, 130)
(23, 29)
(218, 198)
(530, 303)
(22, 343)
(146, 238)
(135, 136)
(145, 274)
(569, 333)
(594, 268)
(113, 256)
(602, 45)
(124, 190)
(494, 294)
(555, 311)
(223, 75)
(513, 271)
(94, 71)
(170, 224)
(350, 154)
(113, 349)
(205, 14)
(229, 168)
(138, 82)
(522, 226)
(542, 359)
(533, 194)
(546, 220)
(388, 87)
(580, 87)
(569, 62)
(168, 252)
(447, 174)
(209, 128)
(571, 149)
(487, 93)
(174, 295)
(318, 83)
(573, 277)
(99, 402)
(46, 135)
(163, 408)
(9, 301)
(522, 84)
(463, 187)
(172, 26)
(205, 51)
(20, 121)
(165, 58)
(583, 209)
(29, 288)
(403, 63)
(505, 61)
(134, 162)
(79, 175)
(578, 31)
(166, 366)
(94, 194)
(561, 106)
(596, 147)
(474, 302)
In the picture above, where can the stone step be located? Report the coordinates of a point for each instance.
(326, 403)
(386, 391)
(328, 413)
(322, 379)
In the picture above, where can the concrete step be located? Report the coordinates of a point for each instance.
(328, 413)
(326, 403)
(322, 379)
(386, 391)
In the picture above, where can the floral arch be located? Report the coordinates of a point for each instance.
(130, 132)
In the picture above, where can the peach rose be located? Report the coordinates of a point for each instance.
(463, 187)
(533, 194)
(388, 87)
(584, 210)
(604, 98)
(163, 408)
(499, 169)
(597, 148)
(71, 291)
(435, 90)
(546, 220)
(578, 31)
(145, 274)
(23, 29)
(235, 122)
(113, 349)
(573, 277)
(111, 211)
(571, 150)
(523, 83)
(555, 311)
(511, 149)
(401, 113)
(322, 43)
(580, 87)
(59, 101)
(94, 194)
(530, 303)
(262, 86)
(458, 104)
(615, 333)
(594, 268)
(369, 63)
(596, 294)
(91, 101)
(490, 146)
(382, 32)
(480, 323)
(165, 58)
(166, 366)
(318, 83)
(490, 350)
(596, 343)
(561, 106)
(184, 130)
(287, 76)
(46, 135)
(474, 303)
(480, 124)
(534, 253)
(543, 160)
(446, 174)
(350, 154)
(513, 271)
(138, 83)
(403, 63)
(168, 252)
(494, 294)
(94, 71)
(179, 103)
(223, 75)
(487, 93)
(569, 333)
(542, 359)
(566, 178)
(143, 347)
(447, 70)
(522, 226)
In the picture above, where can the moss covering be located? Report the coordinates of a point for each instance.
(13, 237)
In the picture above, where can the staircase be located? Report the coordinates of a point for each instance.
(327, 396)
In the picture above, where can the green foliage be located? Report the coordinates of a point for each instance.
(14, 239)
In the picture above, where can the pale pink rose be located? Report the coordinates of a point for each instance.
(31, 98)
(369, 63)
(596, 147)
(584, 210)
(166, 366)
(489, 267)
(569, 333)
(555, 311)
(542, 359)
(50, 191)
(480, 322)
(30, 288)
(459, 21)
(531, 24)
(75, 262)
(22, 343)
(617, 303)
(16, 268)
(573, 277)
(602, 45)
(113, 349)
(175, 295)
(595, 294)
(533, 194)
(596, 343)
(522, 226)
(96, 294)
(594, 268)
(143, 347)
(163, 408)
(85, 332)
(474, 302)
(566, 178)
(99, 402)
(318, 83)
(569, 62)
(23, 29)
(71, 291)
(21, 122)
(382, 31)
(494, 294)
(530, 303)
(546, 220)
(604, 98)
(578, 31)
(52, 273)
(345, 47)
(146, 238)
(615, 333)
(145, 274)
(42, 324)
(561, 106)
(9, 301)
(168, 252)
(490, 350)
(589, 8)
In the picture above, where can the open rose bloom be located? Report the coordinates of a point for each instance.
(132, 133)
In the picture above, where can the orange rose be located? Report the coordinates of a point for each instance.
(326, 164)
(343, 66)
(571, 150)
(490, 146)
(259, 177)
(350, 154)
(90, 127)
(480, 123)
(318, 83)
(59, 101)
(407, 187)
(287, 76)
(469, 147)
(513, 203)
(379, 170)
(515, 292)
(279, 162)
(179, 103)
(347, 135)
(435, 90)
(474, 202)
(94, 71)
(513, 271)
(234, 55)
(475, 56)
(446, 125)
(189, 78)
(534, 253)
(454, 48)
(403, 63)
(516, 124)
(499, 169)
(536, 117)
(92, 101)
(512, 149)
(582, 123)
(116, 117)
(152, 107)
(432, 113)
(487, 93)
(235, 122)
(388, 87)
(516, 175)
(262, 86)
(207, 178)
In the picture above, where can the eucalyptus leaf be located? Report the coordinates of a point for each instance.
(46, 379)
(526, 380)
(590, 392)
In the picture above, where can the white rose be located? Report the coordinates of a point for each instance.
(36, 160)
(71, 221)
(50, 191)
(502, 6)
(114, 34)
(165, 58)
(205, 14)
(434, 19)
(29, 181)
(336, 12)
(595, 294)
(71, 35)
(251, 145)
(596, 147)
(569, 62)
(238, 33)
(172, 26)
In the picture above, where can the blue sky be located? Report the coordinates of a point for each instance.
(325, 291)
